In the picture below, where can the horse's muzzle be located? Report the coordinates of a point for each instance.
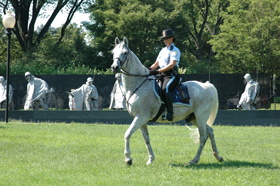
(115, 67)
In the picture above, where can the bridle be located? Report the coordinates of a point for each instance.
(126, 59)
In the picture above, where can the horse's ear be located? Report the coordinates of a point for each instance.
(117, 41)
(125, 41)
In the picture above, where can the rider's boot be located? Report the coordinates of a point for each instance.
(169, 106)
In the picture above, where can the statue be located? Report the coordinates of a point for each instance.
(37, 89)
(248, 99)
(118, 101)
(71, 101)
(86, 97)
(3, 90)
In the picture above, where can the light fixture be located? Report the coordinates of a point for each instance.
(9, 22)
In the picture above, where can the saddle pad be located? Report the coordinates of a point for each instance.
(175, 95)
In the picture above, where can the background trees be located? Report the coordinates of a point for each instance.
(250, 38)
(40, 48)
(27, 12)
(214, 36)
(72, 51)
(142, 23)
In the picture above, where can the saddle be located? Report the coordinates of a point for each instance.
(179, 95)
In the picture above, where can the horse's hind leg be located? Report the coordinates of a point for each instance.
(201, 125)
(144, 130)
(210, 133)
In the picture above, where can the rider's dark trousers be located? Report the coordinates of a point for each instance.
(169, 83)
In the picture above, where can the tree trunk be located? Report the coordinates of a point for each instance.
(24, 30)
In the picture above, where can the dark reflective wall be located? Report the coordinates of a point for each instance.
(228, 86)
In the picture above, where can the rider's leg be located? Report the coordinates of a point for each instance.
(170, 82)
(169, 105)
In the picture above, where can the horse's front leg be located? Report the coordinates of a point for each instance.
(136, 124)
(144, 130)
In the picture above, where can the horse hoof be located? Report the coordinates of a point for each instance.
(149, 162)
(192, 162)
(129, 162)
(221, 159)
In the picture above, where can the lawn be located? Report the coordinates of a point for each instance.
(92, 154)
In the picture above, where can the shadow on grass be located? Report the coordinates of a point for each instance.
(226, 164)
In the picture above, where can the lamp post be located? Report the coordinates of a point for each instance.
(9, 22)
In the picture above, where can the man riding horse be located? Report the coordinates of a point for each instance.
(167, 61)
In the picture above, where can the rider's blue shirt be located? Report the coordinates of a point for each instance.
(166, 56)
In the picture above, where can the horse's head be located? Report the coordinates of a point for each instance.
(120, 54)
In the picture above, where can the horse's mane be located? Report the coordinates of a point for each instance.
(138, 61)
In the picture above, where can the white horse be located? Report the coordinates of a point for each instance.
(143, 104)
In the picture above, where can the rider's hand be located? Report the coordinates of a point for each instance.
(153, 72)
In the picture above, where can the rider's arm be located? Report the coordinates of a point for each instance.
(168, 67)
(154, 66)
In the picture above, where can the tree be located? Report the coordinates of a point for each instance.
(203, 19)
(2, 41)
(48, 58)
(27, 12)
(142, 23)
(250, 38)
(15, 49)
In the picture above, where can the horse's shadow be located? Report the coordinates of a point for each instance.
(225, 164)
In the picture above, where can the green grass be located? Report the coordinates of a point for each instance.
(83, 154)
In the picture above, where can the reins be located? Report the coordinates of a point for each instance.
(136, 89)
(134, 75)
(130, 74)
(127, 100)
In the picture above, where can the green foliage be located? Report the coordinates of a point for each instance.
(278, 100)
(72, 49)
(36, 68)
(15, 50)
(72, 56)
(28, 11)
(141, 22)
(78, 154)
(84, 70)
(244, 34)
(250, 38)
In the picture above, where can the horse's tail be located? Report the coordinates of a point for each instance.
(195, 133)
(214, 112)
